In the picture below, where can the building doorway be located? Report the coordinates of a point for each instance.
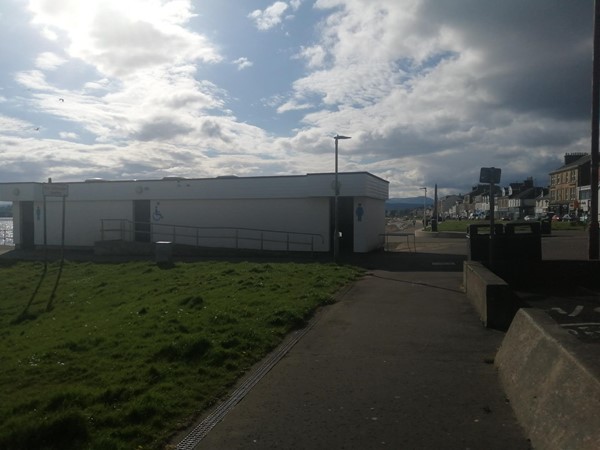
(141, 221)
(27, 225)
(345, 223)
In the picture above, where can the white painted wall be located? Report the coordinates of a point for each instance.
(82, 220)
(310, 215)
(367, 231)
(293, 204)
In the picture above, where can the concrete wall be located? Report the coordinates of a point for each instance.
(490, 295)
(82, 220)
(291, 204)
(552, 381)
(308, 215)
(368, 231)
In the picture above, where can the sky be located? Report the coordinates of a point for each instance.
(429, 91)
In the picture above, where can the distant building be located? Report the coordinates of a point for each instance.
(292, 213)
(566, 181)
(512, 202)
(542, 202)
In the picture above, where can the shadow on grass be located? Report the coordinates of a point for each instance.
(50, 303)
(26, 314)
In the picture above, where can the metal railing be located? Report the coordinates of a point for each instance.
(218, 237)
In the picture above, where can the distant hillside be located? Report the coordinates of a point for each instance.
(399, 204)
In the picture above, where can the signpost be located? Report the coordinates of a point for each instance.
(491, 175)
(55, 190)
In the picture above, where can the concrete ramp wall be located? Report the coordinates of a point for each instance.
(490, 295)
(552, 381)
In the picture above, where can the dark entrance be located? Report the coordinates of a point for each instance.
(141, 219)
(345, 223)
(27, 225)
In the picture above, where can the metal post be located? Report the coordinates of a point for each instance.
(492, 225)
(424, 206)
(62, 239)
(594, 239)
(336, 230)
(45, 235)
(436, 211)
(336, 235)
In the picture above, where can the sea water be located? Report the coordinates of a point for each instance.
(6, 231)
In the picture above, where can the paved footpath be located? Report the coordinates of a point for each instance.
(400, 362)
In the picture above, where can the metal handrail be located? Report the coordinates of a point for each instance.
(127, 230)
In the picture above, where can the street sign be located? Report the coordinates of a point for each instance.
(489, 175)
(55, 190)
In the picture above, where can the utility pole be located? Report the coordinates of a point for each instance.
(336, 213)
(594, 240)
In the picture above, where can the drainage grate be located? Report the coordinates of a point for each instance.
(203, 428)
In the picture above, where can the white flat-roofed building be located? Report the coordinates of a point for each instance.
(292, 213)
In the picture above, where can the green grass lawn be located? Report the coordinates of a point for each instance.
(111, 356)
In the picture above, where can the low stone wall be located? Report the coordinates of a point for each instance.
(490, 295)
(552, 382)
(123, 248)
(441, 234)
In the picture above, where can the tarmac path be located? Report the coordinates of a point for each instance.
(400, 361)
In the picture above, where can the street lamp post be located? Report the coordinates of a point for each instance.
(424, 203)
(336, 231)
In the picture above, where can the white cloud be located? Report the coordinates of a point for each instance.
(314, 56)
(68, 135)
(49, 61)
(147, 61)
(293, 105)
(270, 17)
(243, 63)
(120, 37)
(32, 79)
(12, 125)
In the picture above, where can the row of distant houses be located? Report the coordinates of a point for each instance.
(569, 193)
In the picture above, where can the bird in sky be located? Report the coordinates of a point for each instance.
(61, 100)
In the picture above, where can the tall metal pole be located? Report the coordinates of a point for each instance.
(424, 206)
(593, 236)
(336, 230)
(492, 226)
(436, 211)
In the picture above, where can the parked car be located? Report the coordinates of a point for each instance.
(529, 218)
(556, 218)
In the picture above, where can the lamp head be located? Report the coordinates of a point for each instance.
(337, 137)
